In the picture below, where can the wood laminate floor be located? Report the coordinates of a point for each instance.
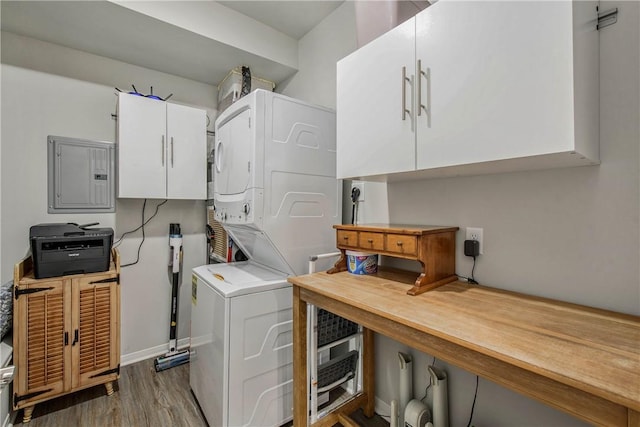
(142, 398)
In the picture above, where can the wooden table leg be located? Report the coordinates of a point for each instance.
(369, 372)
(109, 387)
(300, 374)
(28, 411)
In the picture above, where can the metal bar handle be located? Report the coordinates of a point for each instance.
(404, 93)
(171, 151)
(420, 73)
(427, 76)
(162, 150)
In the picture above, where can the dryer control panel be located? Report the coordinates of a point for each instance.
(242, 209)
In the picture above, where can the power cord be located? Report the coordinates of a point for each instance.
(355, 195)
(426, 390)
(472, 280)
(473, 405)
(117, 243)
(471, 249)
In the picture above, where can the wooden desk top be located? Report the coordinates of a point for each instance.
(418, 230)
(588, 349)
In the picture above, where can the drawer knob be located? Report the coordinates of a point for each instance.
(346, 238)
(370, 240)
(399, 243)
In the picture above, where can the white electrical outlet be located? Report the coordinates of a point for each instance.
(360, 186)
(474, 233)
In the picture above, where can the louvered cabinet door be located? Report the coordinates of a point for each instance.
(95, 346)
(41, 323)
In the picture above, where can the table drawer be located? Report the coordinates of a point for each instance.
(347, 238)
(371, 241)
(401, 244)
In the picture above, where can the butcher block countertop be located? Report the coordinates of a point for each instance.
(579, 359)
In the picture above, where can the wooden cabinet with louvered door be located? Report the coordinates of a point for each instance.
(41, 337)
(66, 333)
(97, 346)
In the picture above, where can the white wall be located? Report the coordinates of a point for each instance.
(570, 234)
(52, 90)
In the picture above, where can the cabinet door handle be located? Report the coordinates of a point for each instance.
(162, 150)
(171, 151)
(405, 110)
(75, 337)
(427, 76)
(66, 338)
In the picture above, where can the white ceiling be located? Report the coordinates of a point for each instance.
(293, 18)
(110, 30)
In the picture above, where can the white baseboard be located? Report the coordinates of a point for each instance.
(150, 353)
(382, 408)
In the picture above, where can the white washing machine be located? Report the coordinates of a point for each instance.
(241, 344)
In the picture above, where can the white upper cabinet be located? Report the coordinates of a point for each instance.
(186, 152)
(503, 86)
(162, 149)
(373, 136)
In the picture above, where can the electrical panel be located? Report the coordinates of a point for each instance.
(80, 175)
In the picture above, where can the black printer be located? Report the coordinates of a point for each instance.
(63, 249)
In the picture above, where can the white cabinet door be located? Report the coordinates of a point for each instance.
(505, 86)
(186, 152)
(162, 149)
(372, 135)
(141, 147)
(502, 81)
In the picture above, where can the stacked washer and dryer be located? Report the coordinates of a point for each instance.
(277, 196)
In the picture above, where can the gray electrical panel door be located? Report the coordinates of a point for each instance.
(80, 175)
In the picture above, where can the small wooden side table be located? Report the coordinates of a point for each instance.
(434, 247)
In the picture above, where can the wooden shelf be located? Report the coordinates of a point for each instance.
(434, 247)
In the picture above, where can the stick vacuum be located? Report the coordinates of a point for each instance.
(174, 357)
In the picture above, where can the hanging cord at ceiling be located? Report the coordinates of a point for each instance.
(118, 242)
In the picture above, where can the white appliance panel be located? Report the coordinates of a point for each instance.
(261, 371)
(208, 370)
(241, 355)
